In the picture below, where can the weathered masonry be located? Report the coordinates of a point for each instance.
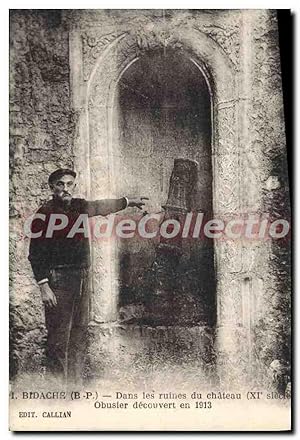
(119, 95)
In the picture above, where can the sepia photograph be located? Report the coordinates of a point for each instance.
(150, 220)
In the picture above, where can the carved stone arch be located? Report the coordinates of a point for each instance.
(94, 132)
(214, 65)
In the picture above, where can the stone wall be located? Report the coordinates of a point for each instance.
(272, 323)
(41, 140)
(65, 68)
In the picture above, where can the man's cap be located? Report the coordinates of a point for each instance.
(60, 173)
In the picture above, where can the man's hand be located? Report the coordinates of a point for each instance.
(137, 202)
(48, 297)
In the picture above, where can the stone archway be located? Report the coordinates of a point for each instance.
(103, 62)
(162, 112)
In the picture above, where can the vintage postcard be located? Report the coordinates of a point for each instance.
(150, 242)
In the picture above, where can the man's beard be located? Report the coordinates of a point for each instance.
(65, 197)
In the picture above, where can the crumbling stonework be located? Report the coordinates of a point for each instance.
(41, 140)
(268, 136)
(66, 70)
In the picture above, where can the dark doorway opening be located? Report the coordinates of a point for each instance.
(162, 112)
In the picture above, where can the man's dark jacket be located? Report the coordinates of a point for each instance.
(59, 251)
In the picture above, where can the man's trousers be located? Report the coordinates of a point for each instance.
(67, 323)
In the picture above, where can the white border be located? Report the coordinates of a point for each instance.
(117, 4)
(152, 4)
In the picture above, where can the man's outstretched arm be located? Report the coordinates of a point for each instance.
(109, 206)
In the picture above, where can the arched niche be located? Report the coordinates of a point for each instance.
(162, 112)
(95, 79)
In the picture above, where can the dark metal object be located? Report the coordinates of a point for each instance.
(182, 183)
(164, 271)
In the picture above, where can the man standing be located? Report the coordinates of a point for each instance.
(60, 265)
